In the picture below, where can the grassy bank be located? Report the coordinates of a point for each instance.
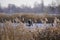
(26, 16)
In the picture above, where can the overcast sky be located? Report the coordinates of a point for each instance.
(25, 2)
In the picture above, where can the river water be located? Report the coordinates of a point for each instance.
(32, 26)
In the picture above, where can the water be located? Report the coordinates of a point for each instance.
(32, 26)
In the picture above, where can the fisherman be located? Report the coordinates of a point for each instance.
(29, 22)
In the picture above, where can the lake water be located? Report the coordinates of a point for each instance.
(32, 26)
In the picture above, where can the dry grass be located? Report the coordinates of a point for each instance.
(8, 32)
(20, 32)
(27, 16)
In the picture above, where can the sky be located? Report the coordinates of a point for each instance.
(5, 3)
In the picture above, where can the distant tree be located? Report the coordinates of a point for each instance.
(26, 8)
(38, 7)
(58, 5)
(58, 9)
(11, 8)
(1, 8)
(52, 7)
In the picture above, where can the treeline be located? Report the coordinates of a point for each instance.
(36, 9)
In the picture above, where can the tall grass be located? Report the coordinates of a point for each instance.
(9, 32)
(20, 32)
(26, 16)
